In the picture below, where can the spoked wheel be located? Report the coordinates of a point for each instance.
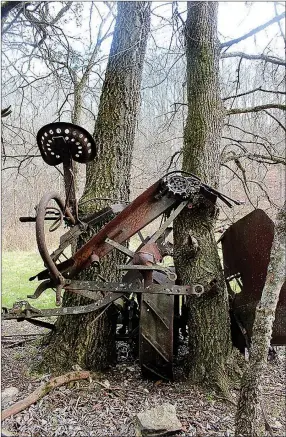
(61, 214)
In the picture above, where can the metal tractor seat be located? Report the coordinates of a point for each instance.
(59, 142)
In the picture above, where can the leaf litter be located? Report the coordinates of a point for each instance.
(107, 405)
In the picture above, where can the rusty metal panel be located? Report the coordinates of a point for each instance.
(156, 335)
(246, 249)
(138, 214)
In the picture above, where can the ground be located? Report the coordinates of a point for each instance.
(86, 408)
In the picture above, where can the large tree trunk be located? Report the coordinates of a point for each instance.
(83, 339)
(209, 333)
(246, 415)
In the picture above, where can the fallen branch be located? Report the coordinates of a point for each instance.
(42, 391)
(10, 344)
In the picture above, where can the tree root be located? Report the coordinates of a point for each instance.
(43, 390)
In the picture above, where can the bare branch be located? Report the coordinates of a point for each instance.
(282, 31)
(255, 157)
(253, 31)
(256, 108)
(44, 389)
(253, 91)
(276, 119)
(260, 57)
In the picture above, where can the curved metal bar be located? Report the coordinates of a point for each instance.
(40, 233)
(58, 220)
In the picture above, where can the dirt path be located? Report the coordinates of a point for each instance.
(87, 409)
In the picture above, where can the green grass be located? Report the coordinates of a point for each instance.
(17, 268)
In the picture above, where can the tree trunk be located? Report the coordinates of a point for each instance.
(81, 339)
(209, 333)
(246, 415)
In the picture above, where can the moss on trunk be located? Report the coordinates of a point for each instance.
(209, 333)
(85, 339)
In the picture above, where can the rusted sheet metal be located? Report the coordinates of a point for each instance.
(143, 210)
(156, 322)
(156, 335)
(246, 249)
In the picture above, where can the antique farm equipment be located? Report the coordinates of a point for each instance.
(147, 287)
(246, 249)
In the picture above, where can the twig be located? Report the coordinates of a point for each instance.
(42, 391)
(253, 31)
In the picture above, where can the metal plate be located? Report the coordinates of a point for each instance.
(246, 249)
(156, 336)
(56, 139)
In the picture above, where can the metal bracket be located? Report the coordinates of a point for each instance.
(120, 247)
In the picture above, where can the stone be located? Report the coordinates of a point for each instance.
(8, 395)
(158, 421)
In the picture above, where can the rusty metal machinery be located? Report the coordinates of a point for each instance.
(147, 287)
(246, 249)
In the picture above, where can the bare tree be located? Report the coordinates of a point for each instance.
(196, 256)
(246, 415)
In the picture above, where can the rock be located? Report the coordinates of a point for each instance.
(158, 421)
(8, 395)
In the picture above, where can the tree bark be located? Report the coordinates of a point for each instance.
(246, 415)
(6, 8)
(209, 333)
(82, 339)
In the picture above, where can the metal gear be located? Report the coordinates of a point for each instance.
(185, 187)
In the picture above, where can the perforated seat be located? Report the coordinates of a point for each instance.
(57, 140)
